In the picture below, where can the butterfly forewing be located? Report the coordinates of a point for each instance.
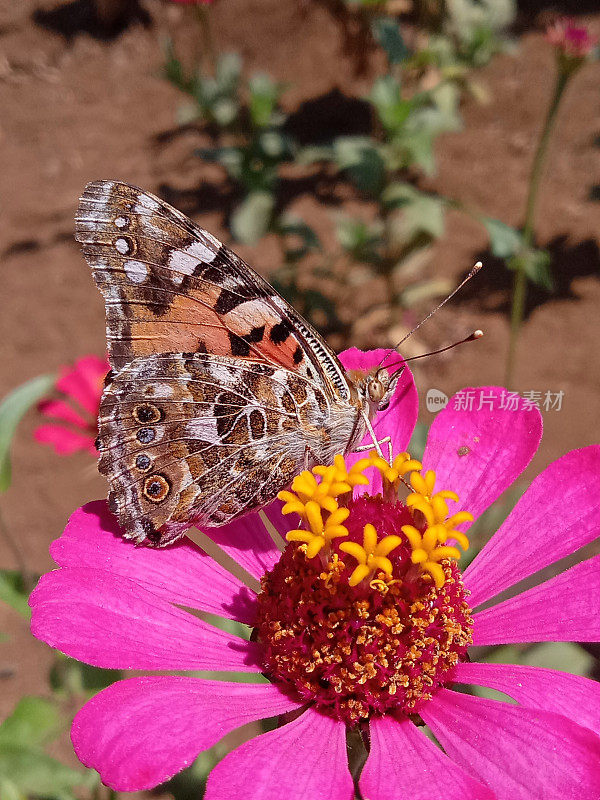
(170, 286)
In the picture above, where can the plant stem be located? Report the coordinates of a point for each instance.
(519, 295)
(202, 15)
(15, 548)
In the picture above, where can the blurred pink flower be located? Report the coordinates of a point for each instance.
(113, 605)
(572, 41)
(81, 386)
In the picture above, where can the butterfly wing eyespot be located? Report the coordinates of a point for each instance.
(156, 488)
(145, 435)
(226, 435)
(146, 413)
(143, 462)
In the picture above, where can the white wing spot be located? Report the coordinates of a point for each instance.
(121, 222)
(162, 391)
(136, 271)
(203, 252)
(184, 262)
(145, 203)
(122, 246)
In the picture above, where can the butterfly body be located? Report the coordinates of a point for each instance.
(220, 391)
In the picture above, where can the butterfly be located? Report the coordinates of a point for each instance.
(219, 392)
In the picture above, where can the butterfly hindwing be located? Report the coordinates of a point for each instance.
(171, 287)
(197, 439)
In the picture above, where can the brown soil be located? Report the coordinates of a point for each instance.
(78, 105)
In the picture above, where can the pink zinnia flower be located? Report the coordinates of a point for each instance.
(366, 636)
(573, 42)
(81, 386)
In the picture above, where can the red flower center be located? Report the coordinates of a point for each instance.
(355, 651)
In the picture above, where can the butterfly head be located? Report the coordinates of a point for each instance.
(375, 388)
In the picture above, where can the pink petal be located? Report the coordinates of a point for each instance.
(572, 696)
(84, 382)
(520, 753)
(248, 542)
(564, 609)
(567, 494)
(109, 621)
(399, 420)
(139, 732)
(404, 763)
(479, 453)
(64, 441)
(303, 760)
(181, 574)
(58, 409)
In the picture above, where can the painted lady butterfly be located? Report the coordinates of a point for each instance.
(220, 392)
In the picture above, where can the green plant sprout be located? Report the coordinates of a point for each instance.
(573, 46)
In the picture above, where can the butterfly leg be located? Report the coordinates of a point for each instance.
(376, 443)
(386, 440)
(309, 457)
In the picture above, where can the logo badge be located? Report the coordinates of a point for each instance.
(436, 400)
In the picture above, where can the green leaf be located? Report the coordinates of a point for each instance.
(205, 91)
(33, 772)
(566, 656)
(321, 311)
(12, 409)
(387, 33)
(418, 440)
(8, 790)
(13, 592)
(307, 156)
(264, 96)
(229, 70)
(363, 241)
(438, 111)
(536, 266)
(224, 110)
(421, 213)
(173, 69)
(418, 150)
(504, 240)
(252, 218)
(33, 722)
(187, 113)
(77, 678)
(426, 291)
(359, 156)
(274, 145)
(392, 110)
(291, 226)
(231, 158)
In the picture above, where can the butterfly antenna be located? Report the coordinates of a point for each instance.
(471, 274)
(471, 338)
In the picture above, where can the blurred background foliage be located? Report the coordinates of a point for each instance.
(431, 52)
(415, 101)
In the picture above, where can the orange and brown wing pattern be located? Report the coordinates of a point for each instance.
(200, 440)
(171, 287)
